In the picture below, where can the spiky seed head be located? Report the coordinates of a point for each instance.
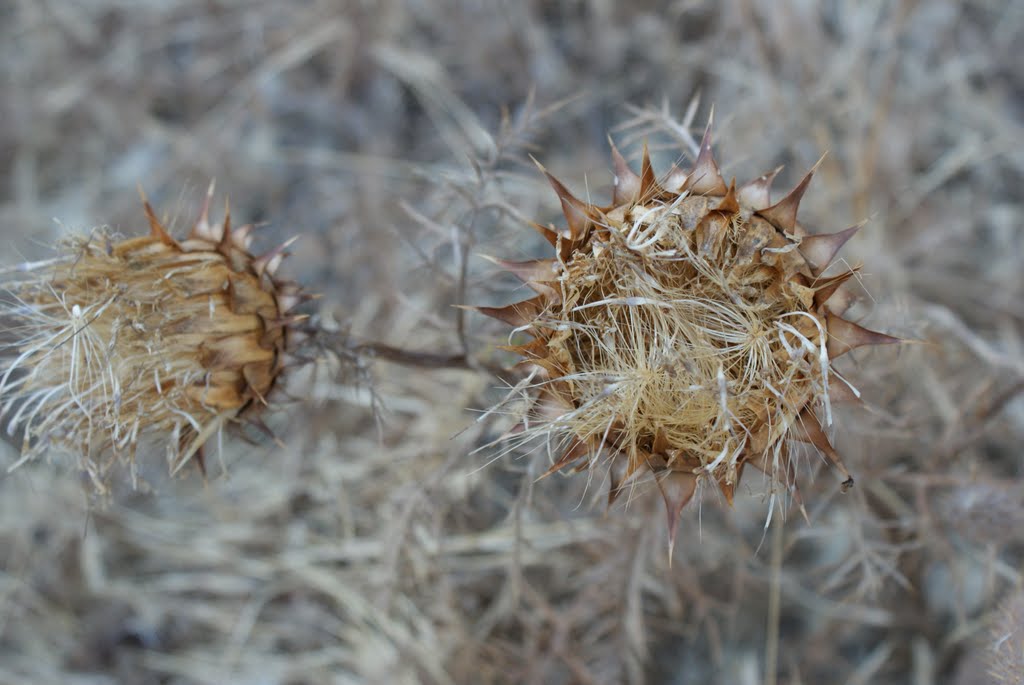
(686, 329)
(150, 339)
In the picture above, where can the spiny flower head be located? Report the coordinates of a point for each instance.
(687, 329)
(145, 340)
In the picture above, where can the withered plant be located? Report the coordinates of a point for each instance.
(151, 340)
(687, 329)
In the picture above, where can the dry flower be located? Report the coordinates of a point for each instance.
(147, 340)
(687, 329)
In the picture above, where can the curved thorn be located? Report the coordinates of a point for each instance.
(821, 248)
(844, 336)
(783, 213)
(627, 184)
(756, 194)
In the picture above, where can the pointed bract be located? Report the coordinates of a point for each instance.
(627, 183)
(820, 249)
(545, 233)
(756, 194)
(577, 213)
(225, 228)
(530, 271)
(826, 288)
(649, 187)
(516, 314)
(706, 179)
(677, 489)
(729, 204)
(844, 336)
(783, 213)
(156, 229)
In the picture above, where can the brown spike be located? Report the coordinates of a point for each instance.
(729, 203)
(577, 212)
(844, 336)
(515, 314)
(530, 271)
(706, 179)
(627, 183)
(578, 448)
(225, 230)
(783, 213)
(806, 428)
(271, 261)
(756, 194)
(677, 489)
(156, 229)
(825, 288)
(820, 249)
(648, 181)
(545, 233)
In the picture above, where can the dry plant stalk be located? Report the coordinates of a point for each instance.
(686, 329)
(123, 341)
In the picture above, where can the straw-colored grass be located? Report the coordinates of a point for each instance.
(379, 544)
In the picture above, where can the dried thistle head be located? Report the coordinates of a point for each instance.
(146, 339)
(687, 329)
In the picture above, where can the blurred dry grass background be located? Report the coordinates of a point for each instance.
(381, 549)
